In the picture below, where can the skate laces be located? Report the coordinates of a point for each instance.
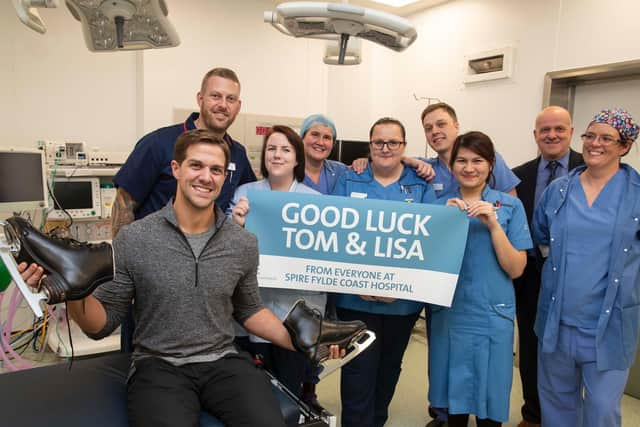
(71, 242)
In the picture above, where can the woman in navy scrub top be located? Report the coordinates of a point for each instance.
(589, 308)
(471, 343)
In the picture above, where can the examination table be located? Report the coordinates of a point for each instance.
(92, 393)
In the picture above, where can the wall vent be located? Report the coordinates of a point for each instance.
(489, 65)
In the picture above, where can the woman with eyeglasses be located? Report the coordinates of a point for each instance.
(368, 382)
(589, 308)
(282, 165)
(471, 343)
(319, 134)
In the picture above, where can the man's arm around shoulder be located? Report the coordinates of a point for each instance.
(123, 211)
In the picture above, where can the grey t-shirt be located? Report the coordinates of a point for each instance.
(199, 240)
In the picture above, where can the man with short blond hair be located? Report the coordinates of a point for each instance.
(145, 184)
(441, 128)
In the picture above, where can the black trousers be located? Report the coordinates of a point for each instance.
(368, 382)
(232, 389)
(462, 420)
(527, 289)
(287, 366)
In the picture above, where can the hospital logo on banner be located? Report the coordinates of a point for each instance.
(358, 246)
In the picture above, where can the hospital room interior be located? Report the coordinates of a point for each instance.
(78, 95)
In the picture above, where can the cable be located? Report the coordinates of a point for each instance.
(60, 340)
(43, 332)
(51, 185)
(56, 203)
(66, 315)
(7, 348)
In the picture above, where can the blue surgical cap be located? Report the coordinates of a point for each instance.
(317, 119)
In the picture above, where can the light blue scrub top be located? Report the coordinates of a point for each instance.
(471, 343)
(445, 182)
(482, 281)
(279, 301)
(619, 322)
(329, 175)
(409, 188)
(589, 239)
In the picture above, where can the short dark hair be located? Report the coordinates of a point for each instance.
(295, 141)
(480, 144)
(225, 73)
(388, 121)
(199, 136)
(439, 106)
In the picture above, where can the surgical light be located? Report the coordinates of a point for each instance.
(124, 24)
(339, 21)
(27, 13)
(396, 3)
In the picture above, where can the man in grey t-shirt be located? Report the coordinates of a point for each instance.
(191, 272)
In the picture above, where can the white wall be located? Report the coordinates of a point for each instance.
(51, 86)
(590, 99)
(592, 32)
(280, 75)
(548, 35)
(435, 67)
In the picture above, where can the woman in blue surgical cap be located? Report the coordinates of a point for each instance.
(318, 134)
(589, 308)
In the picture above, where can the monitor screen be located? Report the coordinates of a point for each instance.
(335, 152)
(22, 180)
(352, 150)
(73, 194)
(76, 197)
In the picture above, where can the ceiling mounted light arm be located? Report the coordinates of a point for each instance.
(344, 40)
(28, 13)
(338, 21)
(335, 54)
(124, 24)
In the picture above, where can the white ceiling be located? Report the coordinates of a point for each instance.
(402, 11)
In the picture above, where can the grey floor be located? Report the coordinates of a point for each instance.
(409, 409)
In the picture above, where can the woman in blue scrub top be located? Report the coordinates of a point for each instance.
(471, 343)
(589, 308)
(318, 134)
(368, 382)
(282, 166)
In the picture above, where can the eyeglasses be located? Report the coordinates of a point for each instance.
(391, 145)
(604, 139)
